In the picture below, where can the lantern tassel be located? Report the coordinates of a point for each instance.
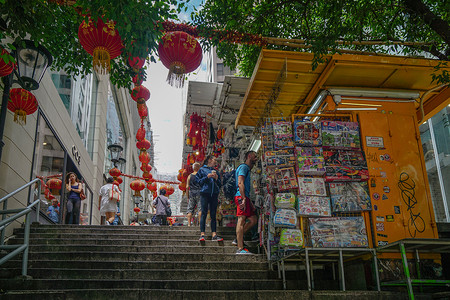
(102, 60)
(20, 117)
(176, 74)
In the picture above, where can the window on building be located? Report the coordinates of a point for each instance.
(93, 111)
(220, 69)
(435, 136)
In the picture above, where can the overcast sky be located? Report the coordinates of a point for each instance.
(166, 108)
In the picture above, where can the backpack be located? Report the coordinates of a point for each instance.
(230, 184)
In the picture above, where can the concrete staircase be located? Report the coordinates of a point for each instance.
(146, 262)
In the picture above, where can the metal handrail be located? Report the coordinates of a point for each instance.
(9, 220)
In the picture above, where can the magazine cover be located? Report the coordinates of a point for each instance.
(285, 217)
(310, 161)
(282, 134)
(280, 158)
(349, 196)
(291, 237)
(310, 186)
(345, 165)
(285, 200)
(307, 133)
(285, 178)
(340, 135)
(341, 173)
(313, 206)
(338, 232)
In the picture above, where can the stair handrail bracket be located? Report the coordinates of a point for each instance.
(15, 214)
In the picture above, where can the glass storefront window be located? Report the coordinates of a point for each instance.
(48, 161)
(435, 136)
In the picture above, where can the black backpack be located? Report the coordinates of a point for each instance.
(230, 184)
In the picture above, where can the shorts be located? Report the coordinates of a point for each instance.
(248, 212)
(194, 200)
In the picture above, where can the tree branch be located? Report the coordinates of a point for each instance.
(420, 10)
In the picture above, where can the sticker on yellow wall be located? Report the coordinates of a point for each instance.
(390, 218)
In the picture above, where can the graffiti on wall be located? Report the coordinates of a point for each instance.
(407, 188)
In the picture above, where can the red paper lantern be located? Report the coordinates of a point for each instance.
(138, 79)
(114, 172)
(152, 186)
(137, 186)
(55, 184)
(180, 53)
(119, 180)
(140, 94)
(102, 41)
(144, 158)
(22, 103)
(6, 68)
(170, 190)
(137, 210)
(140, 134)
(147, 176)
(142, 110)
(143, 145)
(136, 63)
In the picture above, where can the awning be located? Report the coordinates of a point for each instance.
(285, 83)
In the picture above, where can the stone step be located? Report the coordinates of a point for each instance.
(125, 283)
(142, 274)
(164, 294)
(136, 265)
(114, 241)
(219, 248)
(103, 229)
(145, 256)
(129, 236)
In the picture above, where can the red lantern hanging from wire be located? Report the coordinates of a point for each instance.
(137, 186)
(114, 172)
(140, 134)
(136, 63)
(152, 186)
(140, 94)
(143, 145)
(21, 103)
(136, 210)
(55, 185)
(181, 54)
(147, 176)
(102, 41)
(170, 190)
(142, 110)
(144, 157)
(146, 168)
(6, 68)
(119, 180)
(138, 79)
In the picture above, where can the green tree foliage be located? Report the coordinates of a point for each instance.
(323, 23)
(54, 24)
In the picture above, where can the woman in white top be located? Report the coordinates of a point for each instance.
(107, 206)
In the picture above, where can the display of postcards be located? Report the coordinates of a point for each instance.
(280, 158)
(291, 237)
(285, 178)
(307, 133)
(285, 218)
(282, 135)
(340, 135)
(338, 232)
(310, 161)
(313, 206)
(341, 173)
(350, 196)
(285, 200)
(346, 158)
(311, 186)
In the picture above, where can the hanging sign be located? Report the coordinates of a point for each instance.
(375, 141)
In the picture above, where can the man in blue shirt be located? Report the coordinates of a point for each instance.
(53, 211)
(245, 208)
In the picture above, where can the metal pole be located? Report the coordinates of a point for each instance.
(377, 275)
(284, 274)
(406, 270)
(308, 275)
(418, 268)
(341, 269)
(26, 240)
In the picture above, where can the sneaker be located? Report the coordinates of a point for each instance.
(217, 238)
(202, 238)
(107, 223)
(234, 242)
(243, 251)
